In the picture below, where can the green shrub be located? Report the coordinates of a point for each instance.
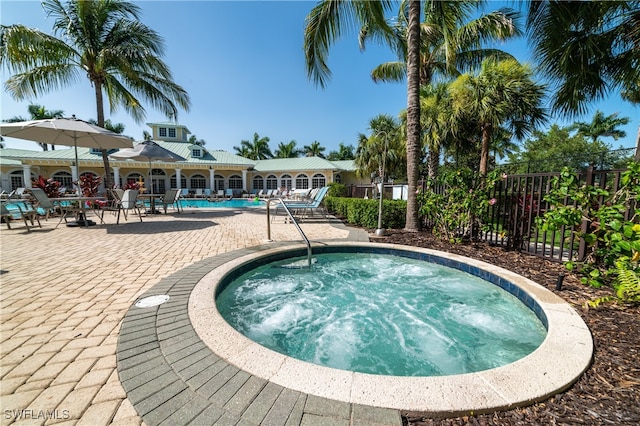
(613, 242)
(337, 190)
(361, 212)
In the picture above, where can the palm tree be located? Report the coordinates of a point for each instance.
(325, 24)
(287, 150)
(193, 139)
(344, 152)
(146, 136)
(503, 95)
(256, 150)
(112, 127)
(382, 146)
(602, 126)
(587, 48)
(39, 112)
(314, 150)
(451, 42)
(103, 40)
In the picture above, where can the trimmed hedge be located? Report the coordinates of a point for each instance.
(361, 212)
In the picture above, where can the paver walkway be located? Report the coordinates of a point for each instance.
(64, 293)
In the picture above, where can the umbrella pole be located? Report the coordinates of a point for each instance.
(75, 147)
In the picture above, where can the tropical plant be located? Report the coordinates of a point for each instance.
(258, 149)
(344, 152)
(613, 240)
(587, 48)
(103, 40)
(502, 95)
(39, 112)
(193, 139)
(602, 126)
(112, 127)
(50, 186)
(451, 42)
(325, 24)
(287, 150)
(314, 150)
(146, 136)
(557, 148)
(459, 211)
(381, 147)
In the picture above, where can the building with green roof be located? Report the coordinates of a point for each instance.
(203, 169)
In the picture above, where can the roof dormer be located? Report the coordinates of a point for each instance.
(169, 132)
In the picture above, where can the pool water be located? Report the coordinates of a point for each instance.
(381, 314)
(233, 203)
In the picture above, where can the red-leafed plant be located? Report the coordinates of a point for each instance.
(49, 186)
(89, 184)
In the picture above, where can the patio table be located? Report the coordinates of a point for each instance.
(82, 203)
(152, 202)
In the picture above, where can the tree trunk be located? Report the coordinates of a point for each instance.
(434, 162)
(108, 182)
(413, 114)
(484, 151)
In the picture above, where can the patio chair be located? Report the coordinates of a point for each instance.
(124, 204)
(43, 202)
(300, 208)
(206, 193)
(171, 198)
(198, 193)
(220, 193)
(229, 193)
(22, 211)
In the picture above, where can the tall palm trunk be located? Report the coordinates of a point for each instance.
(108, 182)
(413, 114)
(484, 150)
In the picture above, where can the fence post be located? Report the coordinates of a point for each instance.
(584, 227)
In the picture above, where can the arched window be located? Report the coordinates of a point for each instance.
(235, 182)
(302, 181)
(174, 181)
(272, 182)
(286, 181)
(158, 181)
(17, 179)
(318, 181)
(219, 182)
(197, 182)
(258, 183)
(65, 179)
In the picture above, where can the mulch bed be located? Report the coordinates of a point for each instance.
(609, 391)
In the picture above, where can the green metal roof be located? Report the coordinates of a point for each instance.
(289, 164)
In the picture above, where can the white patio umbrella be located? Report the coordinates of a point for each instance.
(68, 132)
(147, 151)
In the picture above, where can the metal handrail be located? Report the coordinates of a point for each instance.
(304, 237)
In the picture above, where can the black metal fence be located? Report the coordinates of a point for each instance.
(519, 199)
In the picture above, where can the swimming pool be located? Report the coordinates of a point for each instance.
(234, 203)
(379, 313)
(557, 362)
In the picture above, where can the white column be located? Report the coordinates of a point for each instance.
(178, 178)
(26, 173)
(244, 180)
(212, 176)
(74, 174)
(116, 176)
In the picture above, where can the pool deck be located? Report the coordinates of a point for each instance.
(67, 325)
(75, 350)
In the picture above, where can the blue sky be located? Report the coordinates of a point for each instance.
(243, 66)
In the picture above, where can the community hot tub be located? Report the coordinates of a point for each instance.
(558, 361)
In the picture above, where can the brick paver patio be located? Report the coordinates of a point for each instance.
(64, 293)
